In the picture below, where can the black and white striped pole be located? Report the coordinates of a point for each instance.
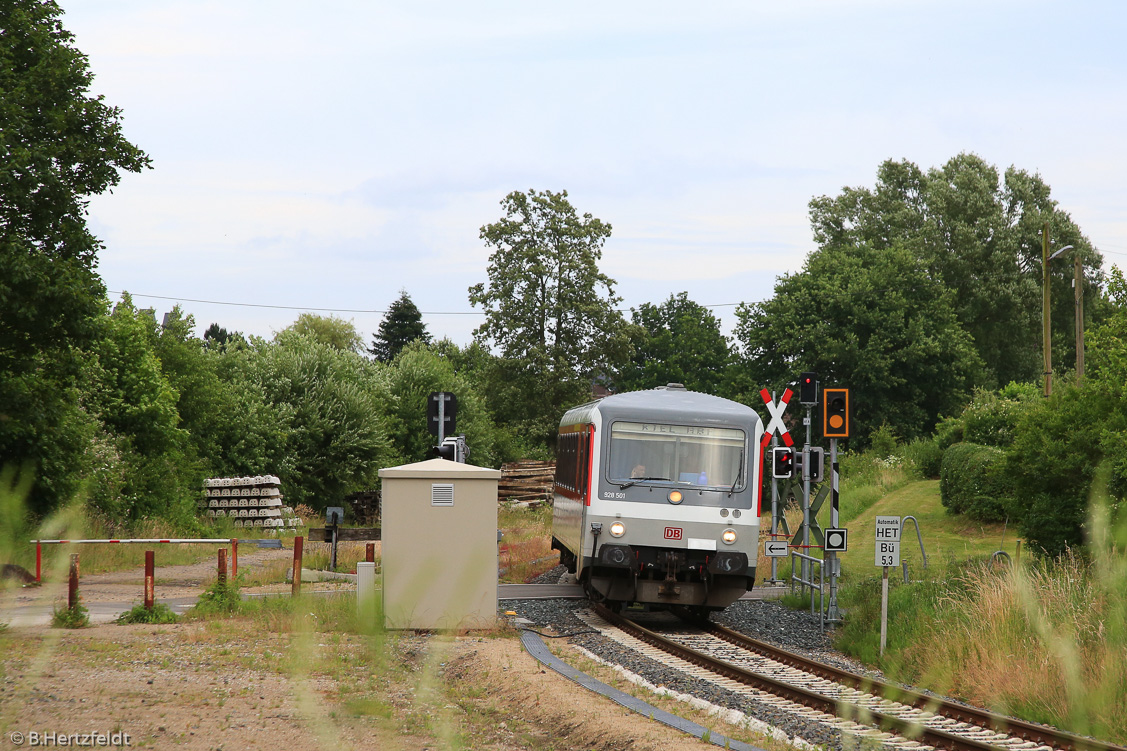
(835, 424)
(833, 613)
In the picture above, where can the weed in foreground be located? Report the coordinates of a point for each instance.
(75, 617)
(221, 598)
(159, 613)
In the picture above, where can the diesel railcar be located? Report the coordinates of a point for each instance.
(657, 498)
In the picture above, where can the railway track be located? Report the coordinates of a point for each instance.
(860, 700)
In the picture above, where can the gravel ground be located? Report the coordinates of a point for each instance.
(768, 621)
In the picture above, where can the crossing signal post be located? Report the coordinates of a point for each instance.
(782, 463)
(835, 424)
(835, 413)
(808, 389)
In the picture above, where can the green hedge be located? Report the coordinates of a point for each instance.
(973, 481)
(926, 454)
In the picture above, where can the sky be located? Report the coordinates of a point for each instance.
(324, 157)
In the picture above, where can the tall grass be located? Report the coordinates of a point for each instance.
(1045, 641)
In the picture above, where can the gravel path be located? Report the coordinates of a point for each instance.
(796, 631)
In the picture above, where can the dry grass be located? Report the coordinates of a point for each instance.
(1046, 642)
(525, 550)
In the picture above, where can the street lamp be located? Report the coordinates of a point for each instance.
(1046, 330)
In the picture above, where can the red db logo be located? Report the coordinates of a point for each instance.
(673, 533)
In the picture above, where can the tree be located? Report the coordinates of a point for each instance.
(418, 371)
(329, 330)
(401, 325)
(979, 235)
(870, 319)
(548, 307)
(329, 407)
(59, 145)
(677, 341)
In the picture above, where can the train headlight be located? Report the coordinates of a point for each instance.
(675, 496)
(729, 536)
(618, 529)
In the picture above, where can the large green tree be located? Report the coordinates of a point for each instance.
(870, 319)
(678, 341)
(401, 325)
(978, 233)
(548, 307)
(59, 145)
(329, 330)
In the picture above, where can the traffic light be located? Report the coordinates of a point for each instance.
(782, 463)
(812, 461)
(837, 540)
(835, 413)
(808, 388)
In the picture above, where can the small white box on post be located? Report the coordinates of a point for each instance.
(439, 545)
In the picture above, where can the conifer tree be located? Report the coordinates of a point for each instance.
(402, 325)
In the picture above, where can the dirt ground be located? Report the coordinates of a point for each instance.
(270, 681)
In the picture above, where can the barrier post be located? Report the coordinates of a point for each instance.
(234, 557)
(297, 545)
(223, 566)
(72, 593)
(149, 580)
(370, 553)
(365, 589)
(38, 562)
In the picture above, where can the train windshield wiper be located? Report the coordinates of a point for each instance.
(739, 474)
(636, 480)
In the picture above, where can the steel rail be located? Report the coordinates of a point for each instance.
(909, 729)
(1058, 739)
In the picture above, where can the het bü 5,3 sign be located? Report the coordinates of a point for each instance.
(887, 554)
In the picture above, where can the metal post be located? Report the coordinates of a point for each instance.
(884, 611)
(297, 544)
(774, 505)
(333, 552)
(833, 615)
(38, 562)
(1046, 336)
(365, 589)
(149, 580)
(234, 557)
(441, 417)
(72, 592)
(370, 553)
(222, 567)
(1078, 283)
(806, 572)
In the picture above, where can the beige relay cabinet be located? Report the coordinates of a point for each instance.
(439, 555)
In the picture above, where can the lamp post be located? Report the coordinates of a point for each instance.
(1046, 332)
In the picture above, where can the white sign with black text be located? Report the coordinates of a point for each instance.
(888, 553)
(888, 541)
(775, 549)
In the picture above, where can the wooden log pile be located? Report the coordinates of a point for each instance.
(526, 481)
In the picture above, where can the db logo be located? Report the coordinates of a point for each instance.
(673, 533)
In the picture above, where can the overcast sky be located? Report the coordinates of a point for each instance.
(325, 156)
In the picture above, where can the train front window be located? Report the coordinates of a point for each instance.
(655, 453)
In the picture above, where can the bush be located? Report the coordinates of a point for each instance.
(926, 455)
(159, 613)
(973, 481)
(219, 598)
(75, 617)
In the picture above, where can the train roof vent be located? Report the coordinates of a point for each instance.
(675, 386)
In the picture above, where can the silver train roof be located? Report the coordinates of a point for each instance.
(671, 403)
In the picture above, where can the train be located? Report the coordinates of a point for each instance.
(657, 498)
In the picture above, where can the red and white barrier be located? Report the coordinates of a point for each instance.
(232, 541)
